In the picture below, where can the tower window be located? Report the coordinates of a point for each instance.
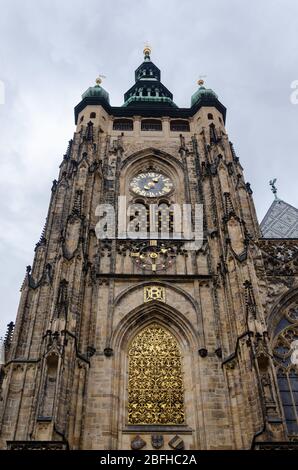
(92, 115)
(155, 382)
(151, 125)
(210, 116)
(123, 125)
(179, 125)
(82, 119)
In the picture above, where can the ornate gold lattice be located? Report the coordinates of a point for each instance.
(155, 385)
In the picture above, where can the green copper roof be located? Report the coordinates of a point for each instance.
(96, 91)
(149, 99)
(148, 89)
(202, 93)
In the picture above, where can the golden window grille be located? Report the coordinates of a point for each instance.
(155, 383)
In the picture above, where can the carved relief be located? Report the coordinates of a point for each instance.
(280, 257)
(154, 293)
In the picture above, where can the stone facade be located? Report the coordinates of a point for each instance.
(66, 373)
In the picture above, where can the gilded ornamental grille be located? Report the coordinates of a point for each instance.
(155, 384)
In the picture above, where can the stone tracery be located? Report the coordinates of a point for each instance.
(287, 372)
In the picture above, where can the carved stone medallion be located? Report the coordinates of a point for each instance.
(137, 443)
(157, 441)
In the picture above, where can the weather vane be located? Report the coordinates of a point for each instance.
(273, 187)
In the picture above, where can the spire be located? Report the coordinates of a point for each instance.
(148, 89)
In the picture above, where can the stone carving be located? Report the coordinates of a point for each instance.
(73, 228)
(176, 443)
(62, 300)
(280, 256)
(250, 301)
(37, 445)
(154, 293)
(138, 443)
(157, 441)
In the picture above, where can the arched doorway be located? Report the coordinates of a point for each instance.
(156, 378)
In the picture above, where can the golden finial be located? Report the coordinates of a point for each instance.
(98, 80)
(201, 82)
(147, 50)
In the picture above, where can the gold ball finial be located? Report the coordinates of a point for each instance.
(147, 50)
(98, 80)
(201, 82)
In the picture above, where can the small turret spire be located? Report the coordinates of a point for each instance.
(203, 94)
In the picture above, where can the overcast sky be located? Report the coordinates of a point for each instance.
(51, 51)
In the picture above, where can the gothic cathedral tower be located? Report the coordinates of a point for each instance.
(124, 343)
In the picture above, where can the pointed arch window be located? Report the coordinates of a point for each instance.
(155, 382)
(284, 345)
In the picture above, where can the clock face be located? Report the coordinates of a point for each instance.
(151, 184)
